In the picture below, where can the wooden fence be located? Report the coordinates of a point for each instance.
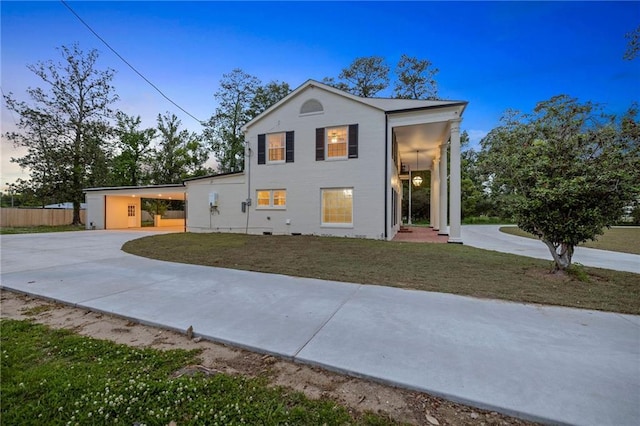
(11, 217)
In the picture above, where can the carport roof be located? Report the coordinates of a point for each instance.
(215, 175)
(174, 191)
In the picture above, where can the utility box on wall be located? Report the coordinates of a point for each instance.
(213, 199)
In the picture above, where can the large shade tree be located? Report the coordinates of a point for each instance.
(241, 97)
(223, 130)
(134, 146)
(365, 76)
(266, 96)
(65, 126)
(416, 79)
(179, 154)
(566, 170)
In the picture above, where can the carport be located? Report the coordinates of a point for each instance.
(121, 207)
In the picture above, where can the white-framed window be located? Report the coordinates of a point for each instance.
(337, 142)
(337, 206)
(276, 144)
(271, 198)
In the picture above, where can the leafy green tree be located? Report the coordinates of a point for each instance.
(365, 77)
(241, 98)
(416, 79)
(331, 81)
(473, 196)
(180, 154)
(223, 130)
(65, 127)
(567, 170)
(135, 146)
(633, 45)
(267, 95)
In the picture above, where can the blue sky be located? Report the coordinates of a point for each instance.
(496, 55)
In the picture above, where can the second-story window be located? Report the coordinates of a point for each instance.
(337, 142)
(276, 143)
(274, 148)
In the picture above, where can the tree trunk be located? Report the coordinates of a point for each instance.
(562, 258)
(76, 214)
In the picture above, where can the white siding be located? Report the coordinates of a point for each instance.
(305, 177)
(95, 211)
(228, 216)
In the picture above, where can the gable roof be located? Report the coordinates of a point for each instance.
(387, 105)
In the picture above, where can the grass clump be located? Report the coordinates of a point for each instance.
(37, 310)
(54, 377)
(577, 271)
(39, 229)
(445, 268)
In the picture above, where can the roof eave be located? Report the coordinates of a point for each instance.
(127, 188)
(422, 108)
(213, 176)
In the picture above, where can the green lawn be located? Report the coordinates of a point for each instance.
(54, 377)
(621, 239)
(38, 229)
(447, 268)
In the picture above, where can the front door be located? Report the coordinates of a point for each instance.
(132, 216)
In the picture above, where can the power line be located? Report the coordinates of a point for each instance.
(128, 64)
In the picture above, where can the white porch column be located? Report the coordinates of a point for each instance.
(443, 191)
(409, 213)
(435, 194)
(454, 197)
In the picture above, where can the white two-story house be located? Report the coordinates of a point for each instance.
(324, 162)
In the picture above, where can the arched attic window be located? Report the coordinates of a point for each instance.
(312, 106)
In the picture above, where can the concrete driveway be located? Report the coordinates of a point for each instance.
(489, 237)
(549, 364)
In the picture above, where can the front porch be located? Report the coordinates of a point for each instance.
(419, 234)
(428, 140)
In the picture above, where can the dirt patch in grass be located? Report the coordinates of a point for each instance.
(623, 239)
(445, 268)
(357, 395)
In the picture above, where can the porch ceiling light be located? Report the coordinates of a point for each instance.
(417, 180)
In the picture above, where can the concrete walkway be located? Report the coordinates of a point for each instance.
(489, 237)
(549, 364)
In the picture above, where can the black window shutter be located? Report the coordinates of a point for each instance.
(320, 144)
(261, 149)
(353, 141)
(289, 147)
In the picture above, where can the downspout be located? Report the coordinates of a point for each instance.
(386, 172)
(248, 168)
